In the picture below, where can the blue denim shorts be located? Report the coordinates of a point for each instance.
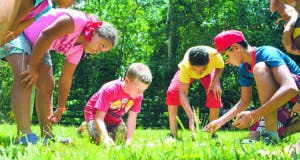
(21, 45)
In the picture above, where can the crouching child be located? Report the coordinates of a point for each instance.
(104, 111)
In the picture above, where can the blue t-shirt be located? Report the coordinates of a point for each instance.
(273, 57)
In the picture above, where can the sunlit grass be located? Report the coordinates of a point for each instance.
(147, 144)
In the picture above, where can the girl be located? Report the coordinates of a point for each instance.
(68, 32)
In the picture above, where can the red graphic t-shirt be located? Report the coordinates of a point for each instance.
(114, 101)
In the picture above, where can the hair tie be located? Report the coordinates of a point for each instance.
(90, 28)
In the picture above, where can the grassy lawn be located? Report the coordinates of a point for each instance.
(147, 144)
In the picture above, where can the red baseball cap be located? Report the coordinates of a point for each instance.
(226, 39)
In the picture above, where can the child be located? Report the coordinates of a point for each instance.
(67, 31)
(16, 15)
(104, 111)
(274, 74)
(295, 4)
(199, 62)
(291, 29)
(291, 32)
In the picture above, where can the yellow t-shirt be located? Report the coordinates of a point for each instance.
(186, 72)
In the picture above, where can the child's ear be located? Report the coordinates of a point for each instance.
(236, 47)
(126, 80)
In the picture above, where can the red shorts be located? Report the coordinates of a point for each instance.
(173, 92)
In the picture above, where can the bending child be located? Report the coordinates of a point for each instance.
(69, 32)
(202, 63)
(104, 111)
(276, 77)
(296, 5)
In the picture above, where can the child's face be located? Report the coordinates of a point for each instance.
(98, 44)
(232, 56)
(199, 69)
(135, 88)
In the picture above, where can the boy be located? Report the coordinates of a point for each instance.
(274, 73)
(105, 109)
(199, 62)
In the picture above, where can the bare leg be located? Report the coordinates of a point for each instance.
(45, 85)
(213, 114)
(173, 111)
(20, 96)
(296, 107)
(266, 87)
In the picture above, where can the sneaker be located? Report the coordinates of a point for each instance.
(170, 139)
(248, 141)
(26, 139)
(270, 137)
(170, 135)
(65, 140)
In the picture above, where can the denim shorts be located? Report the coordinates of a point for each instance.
(21, 45)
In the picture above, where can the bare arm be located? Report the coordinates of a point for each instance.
(286, 91)
(213, 86)
(290, 17)
(9, 11)
(59, 28)
(218, 73)
(183, 92)
(131, 124)
(241, 105)
(65, 82)
(64, 86)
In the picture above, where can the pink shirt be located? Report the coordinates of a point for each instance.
(65, 44)
(114, 101)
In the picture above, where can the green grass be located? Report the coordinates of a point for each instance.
(147, 144)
